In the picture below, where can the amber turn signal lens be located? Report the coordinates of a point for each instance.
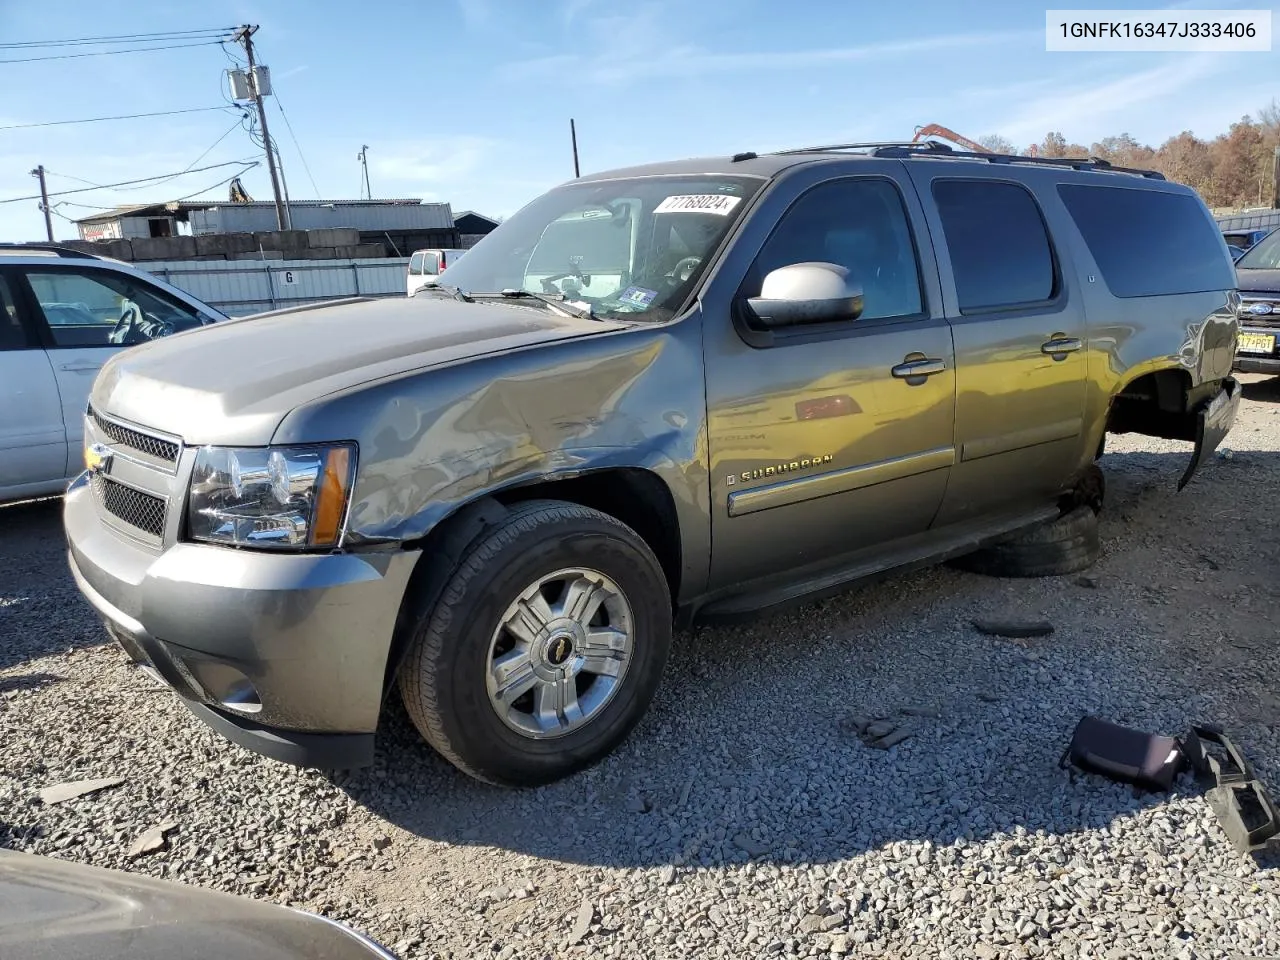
(331, 501)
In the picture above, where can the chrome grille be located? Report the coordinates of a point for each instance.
(130, 506)
(154, 447)
(1250, 319)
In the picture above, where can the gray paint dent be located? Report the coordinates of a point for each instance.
(1198, 336)
(435, 440)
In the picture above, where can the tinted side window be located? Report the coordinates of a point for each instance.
(415, 264)
(1147, 243)
(860, 225)
(12, 336)
(1000, 252)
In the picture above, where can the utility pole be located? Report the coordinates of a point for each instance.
(573, 135)
(364, 165)
(1275, 181)
(245, 36)
(44, 200)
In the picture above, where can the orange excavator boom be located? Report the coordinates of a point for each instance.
(937, 130)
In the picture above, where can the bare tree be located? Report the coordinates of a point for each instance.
(997, 144)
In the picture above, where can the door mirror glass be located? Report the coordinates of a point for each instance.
(806, 293)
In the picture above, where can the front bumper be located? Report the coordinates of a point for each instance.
(284, 654)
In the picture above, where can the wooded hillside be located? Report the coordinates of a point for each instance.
(1231, 170)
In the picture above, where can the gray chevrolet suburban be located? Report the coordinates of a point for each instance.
(682, 391)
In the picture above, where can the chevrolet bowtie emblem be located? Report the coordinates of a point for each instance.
(97, 458)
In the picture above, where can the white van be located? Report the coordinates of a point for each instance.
(426, 265)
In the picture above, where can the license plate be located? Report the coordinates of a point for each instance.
(1256, 343)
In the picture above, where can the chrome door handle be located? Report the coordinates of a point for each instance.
(1059, 347)
(82, 367)
(910, 369)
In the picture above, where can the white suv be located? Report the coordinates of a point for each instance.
(62, 314)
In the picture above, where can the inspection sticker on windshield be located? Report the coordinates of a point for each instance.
(716, 203)
(638, 297)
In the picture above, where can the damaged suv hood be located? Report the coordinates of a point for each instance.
(234, 382)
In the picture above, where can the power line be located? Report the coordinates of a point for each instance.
(117, 38)
(123, 116)
(187, 169)
(247, 164)
(109, 53)
(302, 156)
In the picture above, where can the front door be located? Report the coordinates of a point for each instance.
(88, 314)
(33, 447)
(826, 440)
(1019, 339)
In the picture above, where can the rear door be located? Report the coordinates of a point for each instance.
(1019, 334)
(87, 314)
(33, 444)
(414, 278)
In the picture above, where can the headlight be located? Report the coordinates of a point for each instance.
(272, 497)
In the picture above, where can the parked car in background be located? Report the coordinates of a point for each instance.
(427, 265)
(1239, 241)
(682, 391)
(54, 909)
(62, 315)
(1258, 274)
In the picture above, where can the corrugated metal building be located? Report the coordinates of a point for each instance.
(1250, 220)
(130, 223)
(400, 226)
(251, 286)
(363, 215)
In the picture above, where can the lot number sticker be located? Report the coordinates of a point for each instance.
(716, 203)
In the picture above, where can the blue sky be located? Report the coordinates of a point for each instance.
(468, 100)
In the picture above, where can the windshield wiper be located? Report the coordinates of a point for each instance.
(574, 309)
(455, 292)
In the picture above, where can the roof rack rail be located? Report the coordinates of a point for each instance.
(1075, 163)
(911, 146)
(68, 252)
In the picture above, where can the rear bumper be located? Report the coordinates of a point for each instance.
(284, 654)
(1213, 422)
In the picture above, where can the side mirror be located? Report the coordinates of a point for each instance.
(806, 293)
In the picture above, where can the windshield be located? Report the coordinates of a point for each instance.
(1264, 256)
(622, 246)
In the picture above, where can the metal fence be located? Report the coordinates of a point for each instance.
(239, 287)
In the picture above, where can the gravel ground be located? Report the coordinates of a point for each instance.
(745, 816)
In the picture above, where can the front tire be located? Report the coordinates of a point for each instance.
(545, 648)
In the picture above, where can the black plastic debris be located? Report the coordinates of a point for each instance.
(1146, 760)
(1238, 798)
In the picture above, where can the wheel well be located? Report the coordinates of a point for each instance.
(636, 497)
(1156, 404)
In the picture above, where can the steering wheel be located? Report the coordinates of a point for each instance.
(130, 314)
(683, 270)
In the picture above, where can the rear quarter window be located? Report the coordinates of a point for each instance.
(1148, 243)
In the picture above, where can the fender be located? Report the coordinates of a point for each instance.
(433, 441)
